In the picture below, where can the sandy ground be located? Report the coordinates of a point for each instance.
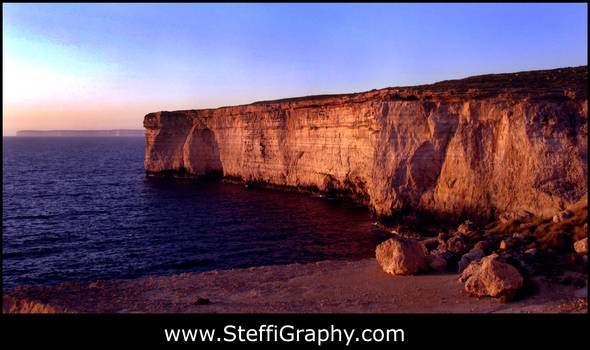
(323, 287)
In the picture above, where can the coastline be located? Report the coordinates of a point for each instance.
(331, 286)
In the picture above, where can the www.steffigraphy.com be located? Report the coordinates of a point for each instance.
(285, 333)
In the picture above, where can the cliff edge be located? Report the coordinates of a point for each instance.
(476, 147)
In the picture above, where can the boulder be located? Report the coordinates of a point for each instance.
(491, 277)
(444, 253)
(401, 256)
(473, 255)
(430, 243)
(443, 237)
(467, 226)
(458, 244)
(487, 245)
(519, 236)
(436, 260)
(507, 243)
(581, 246)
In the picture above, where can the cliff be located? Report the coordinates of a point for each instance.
(476, 147)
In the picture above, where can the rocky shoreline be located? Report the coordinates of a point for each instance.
(501, 259)
(471, 270)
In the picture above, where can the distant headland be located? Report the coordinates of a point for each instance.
(66, 133)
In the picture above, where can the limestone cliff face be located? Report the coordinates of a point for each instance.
(480, 146)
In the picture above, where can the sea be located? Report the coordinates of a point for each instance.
(82, 208)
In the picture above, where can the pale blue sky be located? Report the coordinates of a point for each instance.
(101, 66)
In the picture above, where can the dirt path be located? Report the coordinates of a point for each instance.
(327, 286)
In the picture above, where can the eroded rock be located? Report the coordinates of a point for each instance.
(519, 236)
(487, 245)
(443, 237)
(473, 255)
(458, 244)
(401, 256)
(437, 261)
(490, 276)
(430, 243)
(467, 227)
(581, 246)
(507, 243)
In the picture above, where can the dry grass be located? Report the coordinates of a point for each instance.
(549, 235)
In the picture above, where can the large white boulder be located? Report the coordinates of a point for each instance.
(491, 277)
(401, 256)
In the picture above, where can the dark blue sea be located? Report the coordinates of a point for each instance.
(83, 208)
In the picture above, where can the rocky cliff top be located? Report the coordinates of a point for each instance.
(552, 82)
(556, 84)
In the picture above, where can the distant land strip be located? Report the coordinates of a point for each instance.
(66, 133)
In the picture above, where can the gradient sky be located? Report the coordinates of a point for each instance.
(104, 66)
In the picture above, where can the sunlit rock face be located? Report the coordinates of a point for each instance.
(476, 147)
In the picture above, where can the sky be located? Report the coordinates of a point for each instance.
(104, 66)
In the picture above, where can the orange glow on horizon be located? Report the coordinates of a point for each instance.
(92, 116)
(73, 116)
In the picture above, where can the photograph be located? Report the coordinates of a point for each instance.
(294, 174)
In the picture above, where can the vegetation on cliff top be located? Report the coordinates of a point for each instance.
(574, 78)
